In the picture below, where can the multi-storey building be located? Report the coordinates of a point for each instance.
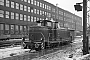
(17, 15)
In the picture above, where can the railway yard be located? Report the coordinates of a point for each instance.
(40, 30)
(65, 52)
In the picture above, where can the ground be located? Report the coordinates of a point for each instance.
(72, 51)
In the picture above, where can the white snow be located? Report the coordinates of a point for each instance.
(75, 51)
(15, 50)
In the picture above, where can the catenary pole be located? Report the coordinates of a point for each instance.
(85, 40)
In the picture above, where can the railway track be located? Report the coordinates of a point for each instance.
(48, 53)
(61, 52)
(11, 42)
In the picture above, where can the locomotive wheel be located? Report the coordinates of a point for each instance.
(37, 47)
(24, 45)
(42, 46)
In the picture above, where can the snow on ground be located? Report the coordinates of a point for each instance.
(12, 51)
(62, 55)
(75, 52)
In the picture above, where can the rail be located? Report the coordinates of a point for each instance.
(10, 43)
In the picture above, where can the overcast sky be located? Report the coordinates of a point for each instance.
(67, 5)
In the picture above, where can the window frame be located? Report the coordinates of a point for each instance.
(31, 18)
(7, 13)
(28, 9)
(25, 8)
(2, 2)
(25, 17)
(1, 13)
(21, 7)
(12, 4)
(28, 18)
(7, 3)
(17, 5)
(21, 16)
(16, 16)
(12, 15)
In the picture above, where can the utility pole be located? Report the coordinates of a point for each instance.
(85, 40)
(78, 7)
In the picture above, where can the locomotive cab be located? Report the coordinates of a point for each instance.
(48, 23)
(44, 23)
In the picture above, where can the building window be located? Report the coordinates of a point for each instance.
(21, 16)
(12, 29)
(6, 27)
(31, 1)
(7, 14)
(34, 19)
(35, 11)
(47, 7)
(60, 12)
(28, 18)
(7, 3)
(28, 9)
(1, 13)
(21, 29)
(2, 2)
(21, 7)
(25, 8)
(60, 18)
(16, 29)
(45, 13)
(35, 2)
(40, 18)
(25, 17)
(31, 18)
(17, 6)
(25, 0)
(12, 4)
(37, 19)
(53, 16)
(40, 4)
(53, 10)
(31, 10)
(49, 14)
(40, 12)
(1, 27)
(43, 5)
(12, 15)
(25, 29)
(17, 16)
(28, 1)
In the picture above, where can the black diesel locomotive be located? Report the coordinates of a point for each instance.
(48, 34)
